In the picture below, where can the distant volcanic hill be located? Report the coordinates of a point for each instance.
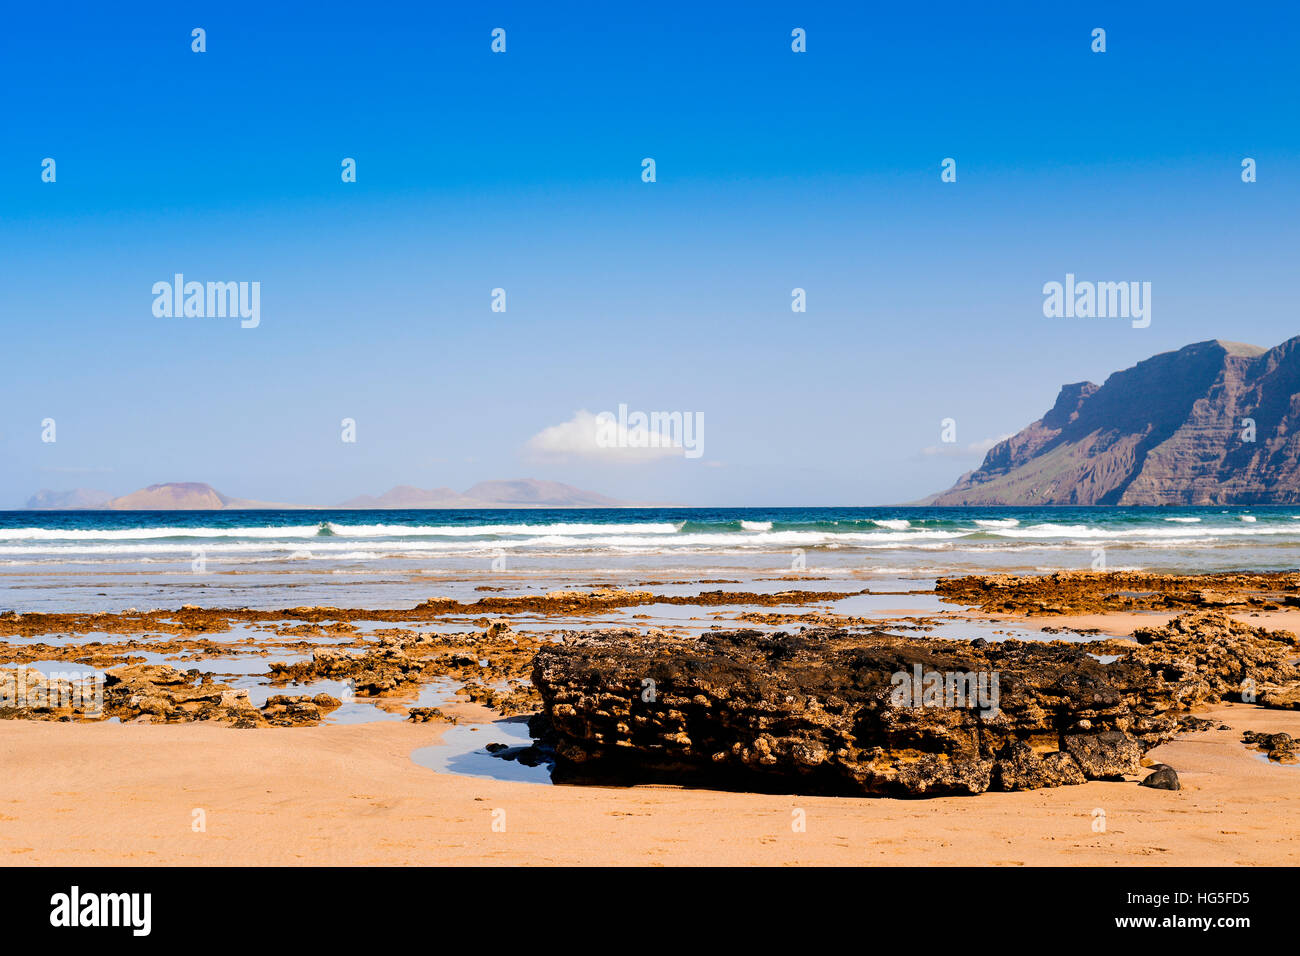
(197, 496)
(1168, 431)
(182, 496)
(519, 493)
(169, 496)
(46, 500)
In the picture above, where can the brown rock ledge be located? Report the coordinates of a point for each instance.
(150, 693)
(814, 712)
(1085, 592)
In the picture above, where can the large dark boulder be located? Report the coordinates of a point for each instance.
(1164, 778)
(830, 711)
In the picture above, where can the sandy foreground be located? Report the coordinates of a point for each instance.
(93, 794)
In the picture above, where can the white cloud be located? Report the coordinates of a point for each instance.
(587, 436)
(972, 450)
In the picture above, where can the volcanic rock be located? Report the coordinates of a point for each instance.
(1020, 767)
(162, 693)
(1164, 778)
(819, 711)
(1279, 747)
(424, 715)
(1105, 756)
(1207, 657)
(1281, 698)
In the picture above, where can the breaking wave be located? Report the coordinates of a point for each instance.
(72, 537)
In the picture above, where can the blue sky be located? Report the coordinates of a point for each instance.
(522, 171)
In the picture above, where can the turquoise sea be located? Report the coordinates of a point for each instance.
(109, 560)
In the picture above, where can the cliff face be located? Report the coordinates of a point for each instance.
(1167, 431)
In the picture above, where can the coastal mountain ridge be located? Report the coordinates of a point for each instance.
(1213, 423)
(198, 496)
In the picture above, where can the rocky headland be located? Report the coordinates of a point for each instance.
(1211, 423)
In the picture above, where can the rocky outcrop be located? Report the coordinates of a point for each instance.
(149, 693)
(1206, 657)
(833, 711)
(490, 666)
(1105, 756)
(161, 693)
(424, 715)
(1021, 767)
(1100, 592)
(822, 712)
(1170, 430)
(372, 673)
(28, 694)
(1281, 698)
(326, 619)
(1279, 747)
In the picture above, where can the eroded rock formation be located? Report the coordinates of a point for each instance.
(150, 693)
(820, 711)
(1094, 592)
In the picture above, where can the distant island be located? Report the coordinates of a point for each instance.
(77, 498)
(1215, 423)
(197, 496)
(518, 493)
(168, 496)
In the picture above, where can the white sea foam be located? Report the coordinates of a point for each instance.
(333, 529)
(140, 534)
(471, 531)
(1088, 532)
(316, 544)
(334, 546)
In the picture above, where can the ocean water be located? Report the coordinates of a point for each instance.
(79, 560)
